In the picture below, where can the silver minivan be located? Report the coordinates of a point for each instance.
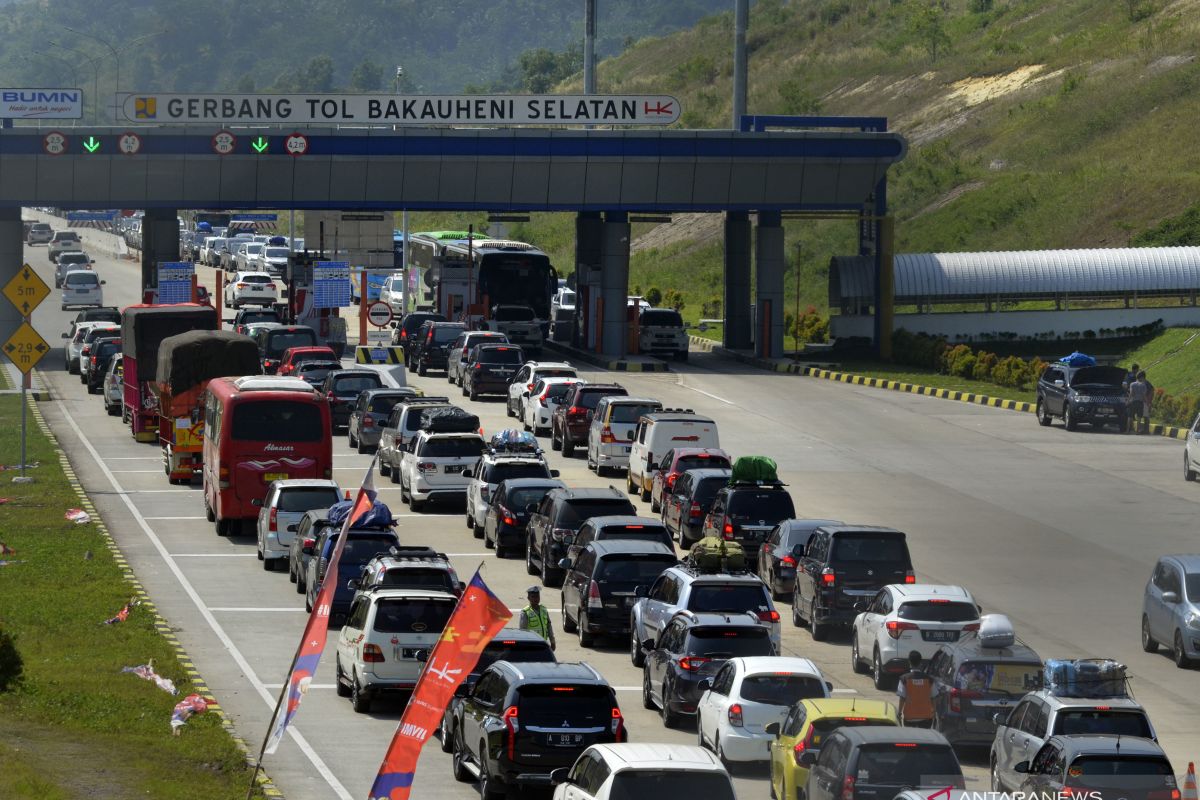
(1171, 609)
(281, 510)
(610, 436)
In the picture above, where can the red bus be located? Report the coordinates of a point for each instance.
(258, 429)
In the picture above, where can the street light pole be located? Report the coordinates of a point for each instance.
(95, 78)
(741, 21)
(116, 56)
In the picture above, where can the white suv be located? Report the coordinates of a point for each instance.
(281, 510)
(527, 377)
(81, 287)
(604, 771)
(62, 242)
(903, 618)
(493, 468)
(379, 648)
(250, 288)
(438, 465)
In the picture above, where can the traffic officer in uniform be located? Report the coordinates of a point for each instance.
(535, 617)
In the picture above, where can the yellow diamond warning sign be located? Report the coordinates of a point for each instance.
(26, 290)
(26, 347)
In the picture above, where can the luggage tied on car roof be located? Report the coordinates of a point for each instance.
(1085, 677)
(754, 469)
(380, 516)
(448, 419)
(1078, 359)
(714, 554)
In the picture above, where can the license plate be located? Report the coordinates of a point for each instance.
(564, 739)
(81, 291)
(453, 469)
(275, 476)
(1104, 409)
(410, 652)
(940, 636)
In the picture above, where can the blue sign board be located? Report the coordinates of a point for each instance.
(175, 281)
(91, 216)
(254, 218)
(331, 284)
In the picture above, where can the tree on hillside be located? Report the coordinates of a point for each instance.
(541, 68)
(316, 76)
(367, 77)
(927, 21)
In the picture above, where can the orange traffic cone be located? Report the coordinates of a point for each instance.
(347, 494)
(1189, 783)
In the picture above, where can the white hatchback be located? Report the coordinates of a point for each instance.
(545, 396)
(527, 377)
(250, 288)
(82, 287)
(628, 770)
(746, 696)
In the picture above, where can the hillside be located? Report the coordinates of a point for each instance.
(319, 45)
(1032, 123)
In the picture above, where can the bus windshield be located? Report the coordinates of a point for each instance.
(518, 279)
(274, 419)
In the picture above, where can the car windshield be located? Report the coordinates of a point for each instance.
(256, 279)
(733, 597)
(82, 279)
(1075, 721)
(1010, 678)
(555, 391)
(770, 506)
(514, 314)
(526, 469)
(514, 652)
(574, 513)
(416, 615)
(554, 372)
(419, 578)
(730, 642)
(317, 370)
(452, 447)
(500, 355)
(700, 461)
(413, 321)
(638, 533)
(276, 252)
(521, 497)
(706, 490)
(662, 317)
(305, 498)
(445, 334)
(351, 385)
(412, 421)
(1100, 376)
(580, 705)
(362, 547)
(1122, 772)
(592, 399)
(937, 611)
(630, 412)
(908, 764)
(654, 784)
(383, 404)
(250, 317)
(826, 725)
(566, 297)
(253, 249)
(632, 570)
(108, 348)
(279, 341)
(276, 420)
(868, 547)
(73, 258)
(781, 690)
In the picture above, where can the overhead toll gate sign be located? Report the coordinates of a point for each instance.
(382, 109)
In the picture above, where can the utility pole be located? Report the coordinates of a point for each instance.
(741, 21)
(589, 46)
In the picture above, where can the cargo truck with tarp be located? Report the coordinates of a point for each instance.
(143, 327)
(186, 363)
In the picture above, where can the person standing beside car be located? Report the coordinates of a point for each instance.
(915, 690)
(1137, 403)
(536, 617)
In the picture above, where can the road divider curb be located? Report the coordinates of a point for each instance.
(164, 629)
(620, 365)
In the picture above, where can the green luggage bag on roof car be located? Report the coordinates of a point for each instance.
(754, 469)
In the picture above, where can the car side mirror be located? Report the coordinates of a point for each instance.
(256, 502)
(103, 283)
(462, 586)
(861, 606)
(647, 644)
(640, 591)
(292, 528)
(829, 686)
(462, 690)
(772, 728)
(554, 473)
(1022, 767)
(1000, 718)
(1170, 597)
(564, 563)
(560, 776)
(1060, 384)
(352, 583)
(704, 685)
(808, 758)
(531, 508)
(66, 336)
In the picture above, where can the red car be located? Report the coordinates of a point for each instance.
(293, 356)
(680, 460)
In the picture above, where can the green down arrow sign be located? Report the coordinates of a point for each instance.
(92, 144)
(260, 144)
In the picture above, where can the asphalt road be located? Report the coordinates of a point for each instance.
(1059, 531)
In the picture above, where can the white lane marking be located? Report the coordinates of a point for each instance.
(136, 458)
(211, 555)
(123, 492)
(135, 471)
(190, 590)
(843, 691)
(311, 686)
(706, 394)
(201, 517)
(552, 610)
(621, 688)
(261, 608)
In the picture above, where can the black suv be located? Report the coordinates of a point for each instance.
(521, 721)
(509, 508)
(558, 518)
(405, 334)
(248, 316)
(431, 345)
(599, 587)
(692, 648)
(341, 390)
(490, 368)
(690, 499)
(102, 352)
(844, 566)
(1095, 395)
(747, 512)
(512, 645)
(869, 762)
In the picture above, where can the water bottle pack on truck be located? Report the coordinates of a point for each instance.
(186, 363)
(143, 327)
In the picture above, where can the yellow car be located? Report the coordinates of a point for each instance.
(807, 723)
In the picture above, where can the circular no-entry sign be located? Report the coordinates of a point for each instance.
(379, 314)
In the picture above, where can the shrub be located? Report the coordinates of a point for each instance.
(654, 296)
(11, 665)
(812, 327)
(1010, 371)
(953, 356)
(672, 299)
(964, 365)
(985, 362)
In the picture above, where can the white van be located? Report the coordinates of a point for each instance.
(659, 432)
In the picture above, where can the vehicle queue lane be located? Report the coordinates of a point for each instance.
(979, 490)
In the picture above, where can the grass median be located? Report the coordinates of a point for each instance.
(75, 725)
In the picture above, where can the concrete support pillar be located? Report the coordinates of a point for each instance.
(589, 238)
(887, 286)
(12, 258)
(768, 272)
(160, 242)
(737, 280)
(614, 284)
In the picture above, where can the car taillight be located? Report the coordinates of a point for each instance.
(368, 421)
(222, 476)
(511, 725)
(426, 467)
(558, 534)
(670, 480)
(909, 577)
(803, 745)
(273, 520)
(479, 366)
(93, 361)
(606, 436)
(594, 601)
(770, 615)
(242, 285)
(429, 338)
(828, 576)
(787, 561)
(529, 387)
(507, 516)
(735, 715)
(727, 531)
(618, 724)
(958, 695)
(692, 663)
(848, 788)
(897, 627)
(695, 510)
(971, 626)
(576, 411)
(372, 654)
(308, 542)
